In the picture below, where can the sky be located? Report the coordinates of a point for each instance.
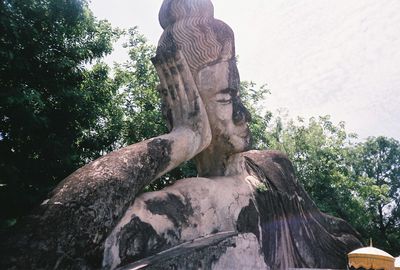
(317, 57)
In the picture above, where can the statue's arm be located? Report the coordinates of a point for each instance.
(85, 206)
(139, 164)
(182, 107)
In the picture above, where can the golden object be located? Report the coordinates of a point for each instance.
(371, 258)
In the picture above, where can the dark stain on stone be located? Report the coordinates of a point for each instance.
(177, 86)
(202, 253)
(239, 112)
(172, 92)
(278, 220)
(138, 240)
(196, 109)
(174, 70)
(173, 207)
(174, 235)
(166, 73)
(301, 233)
(226, 145)
(293, 230)
(164, 92)
(253, 169)
(159, 152)
(167, 114)
(234, 77)
(248, 220)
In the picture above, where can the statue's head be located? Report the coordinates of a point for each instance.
(209, 48)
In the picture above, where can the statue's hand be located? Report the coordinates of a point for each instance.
(181, 103)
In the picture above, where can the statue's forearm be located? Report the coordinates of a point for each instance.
(135, 166)
(87, 204)
(101, 183)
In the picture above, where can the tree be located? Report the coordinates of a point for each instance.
(51, 116)
(137, 81)
(252, 97)
(378, 172)
(319, 151)
(357, 182)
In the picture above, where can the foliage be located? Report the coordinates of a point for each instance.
(252, 97)
(377, 166)
(103, 104)
(319, 151)
(357, 182)
(54, 114)
(137, 81)
(261, 188)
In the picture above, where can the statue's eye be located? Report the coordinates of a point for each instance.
(224, 97)
(225, 101)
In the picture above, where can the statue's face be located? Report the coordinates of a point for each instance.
(219, 88)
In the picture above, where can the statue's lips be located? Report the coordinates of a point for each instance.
(243, 132)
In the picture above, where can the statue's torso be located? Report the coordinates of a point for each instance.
(190, 209)
(268, 221)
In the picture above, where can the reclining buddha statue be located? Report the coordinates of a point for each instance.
(221, 219)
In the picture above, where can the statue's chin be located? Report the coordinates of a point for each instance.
(242, 143)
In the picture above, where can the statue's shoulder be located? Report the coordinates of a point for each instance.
(265, 154)
(269, 159)
(275, 167)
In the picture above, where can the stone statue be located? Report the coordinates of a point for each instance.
(245, 210)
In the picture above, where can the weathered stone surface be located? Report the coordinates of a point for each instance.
(70, 227)
(225, 250)
(206, 206)
(198, 253)
(286, 229)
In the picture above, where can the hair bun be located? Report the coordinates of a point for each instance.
(174, 10)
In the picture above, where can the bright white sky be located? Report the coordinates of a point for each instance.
(318, 57)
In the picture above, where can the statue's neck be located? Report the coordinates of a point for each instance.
(211, 163)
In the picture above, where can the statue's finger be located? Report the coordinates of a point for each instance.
(179, 87)
(171, 80)
(168, 74)
(162, 88)
(189, 83)
(159, 68)
(167, 113)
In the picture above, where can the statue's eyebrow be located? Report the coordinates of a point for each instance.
(231, 91)
(226, 91)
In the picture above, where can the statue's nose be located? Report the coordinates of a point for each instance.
(240, 113)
